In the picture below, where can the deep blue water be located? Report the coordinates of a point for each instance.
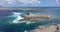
(7, 16)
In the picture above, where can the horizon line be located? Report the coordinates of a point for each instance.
(25, 8)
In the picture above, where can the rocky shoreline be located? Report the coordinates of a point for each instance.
(50, 28)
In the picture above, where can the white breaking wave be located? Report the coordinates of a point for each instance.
(18, 17)
(16, 13)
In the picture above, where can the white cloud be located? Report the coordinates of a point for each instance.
(57, 0)
(7, 1)
(57, 3)
(0, 3)
(14, 2)
(23, 1)
(32, 2)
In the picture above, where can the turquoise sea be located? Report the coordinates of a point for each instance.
(9, 20)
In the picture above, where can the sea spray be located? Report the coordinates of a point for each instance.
(18, 17)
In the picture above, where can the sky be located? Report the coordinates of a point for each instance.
(29, 3)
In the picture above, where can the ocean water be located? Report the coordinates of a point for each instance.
(9, 20)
